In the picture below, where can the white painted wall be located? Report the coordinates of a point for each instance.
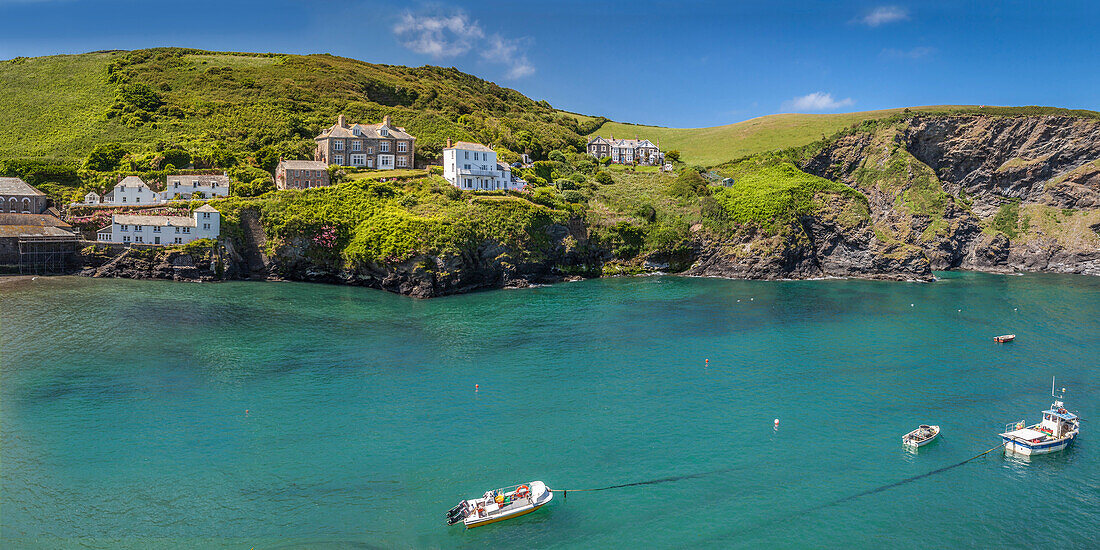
(476, 171)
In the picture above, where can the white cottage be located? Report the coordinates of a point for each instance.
(131, 190)
(91, 198)
(473, 166)
(204, 223)
(196, 186)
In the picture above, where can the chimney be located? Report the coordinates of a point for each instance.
(448, 143)
(386, 121)
(340, 121)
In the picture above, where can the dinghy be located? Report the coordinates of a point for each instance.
(921, 436)
(501, 504)
(1004, 338)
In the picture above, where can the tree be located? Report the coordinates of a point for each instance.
(105, 157)
(556, 156)
(673, 155)
(139, 96)
(255, 188)
(604, 178)
(267, 158)
(687, 184)
(176, 157)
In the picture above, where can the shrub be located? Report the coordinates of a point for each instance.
(604, 178)
(688, 184)
(578, 178)
(105, 157)
(176, 157)
(573, 196)
(556, 156)
(254, 188)
(626, 239)
(647, 212)
(565, 184)
(673, 156)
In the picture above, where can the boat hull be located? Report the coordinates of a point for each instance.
(1025, 448)
(487, 521)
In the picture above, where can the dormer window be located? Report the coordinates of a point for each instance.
(384, 131)
(356, 131)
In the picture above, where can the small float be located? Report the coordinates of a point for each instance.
(500, 504)
(1004, 338)
(1057, 430)
(921, 436)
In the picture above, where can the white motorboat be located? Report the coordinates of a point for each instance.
(1057, 430)
(500, 505)
(921, 436)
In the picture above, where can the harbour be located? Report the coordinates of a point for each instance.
(323, 416)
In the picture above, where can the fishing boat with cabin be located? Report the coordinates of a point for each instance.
(1057, 430)
(501, 504)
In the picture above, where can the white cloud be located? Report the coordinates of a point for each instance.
(817, 101)
(508, 52)
(443, 36)
(915, 53)
(884, 14)
(438, 36)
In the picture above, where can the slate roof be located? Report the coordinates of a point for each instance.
(206, 208)
(131, 181)
(33, 225)
(164, 221)
(16, 186)
(41, 220)
(303, 165)
(468, 146)
(368, 131)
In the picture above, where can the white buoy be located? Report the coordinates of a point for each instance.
(776, 422)
(910, 305)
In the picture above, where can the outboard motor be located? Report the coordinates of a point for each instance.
(457, 514)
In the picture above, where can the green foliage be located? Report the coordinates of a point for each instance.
(36, 172)
(647, 213)
(1007, 219)
(604, 178)
(254, 188)
(626, 240)
(673, 155)
(573, 196)
(689, 184)
(556, 156)
(176, 157)
(774, 193)
(245, 173)
(105, 157)
(390, 222)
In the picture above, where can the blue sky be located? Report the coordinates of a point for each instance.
(683, 64)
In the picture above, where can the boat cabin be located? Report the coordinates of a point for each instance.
(1057, 421)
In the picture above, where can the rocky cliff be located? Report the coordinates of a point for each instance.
(986, 193)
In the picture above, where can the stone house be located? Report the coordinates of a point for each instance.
(301, 174)
(18, 197)
(204, 223)
(626, 151)
(378, 146)
(473, 166)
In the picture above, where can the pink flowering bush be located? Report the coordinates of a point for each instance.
(326, 237)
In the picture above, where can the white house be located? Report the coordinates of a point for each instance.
(91, 198)
(131, 190)
(187, 186)
(204, 223)
(473, 166)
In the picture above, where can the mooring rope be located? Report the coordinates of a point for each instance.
(565, 492)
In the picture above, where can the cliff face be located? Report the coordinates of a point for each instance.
(982, 193)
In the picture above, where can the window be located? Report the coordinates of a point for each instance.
(402, 147)
(475, 156)
(156, 229)
(186, 229)
(467, 183)
(194, 183)
(383, 131)
(305, 183)
(338, 159)
(124, 228)
(125, 238)
(467, 153)
(177, 230)
(124, 198)
(206, 215)
(370, 163)
(466, 166)
(338, 146)
(384, 147)
(137, 228)
(138, 239)
(357, 145)
(402, 162)
(370, 150)
(176, 184)
(206, 226)
(357, 132)
(178, 240)
(358, 160)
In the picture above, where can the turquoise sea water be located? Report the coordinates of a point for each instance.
(149, 414)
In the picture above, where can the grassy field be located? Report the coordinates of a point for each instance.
(718, 144)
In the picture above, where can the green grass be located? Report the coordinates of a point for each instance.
(772, 194)
(718, 144)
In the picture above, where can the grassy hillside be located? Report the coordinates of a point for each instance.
(719, 144)
(226, 108)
